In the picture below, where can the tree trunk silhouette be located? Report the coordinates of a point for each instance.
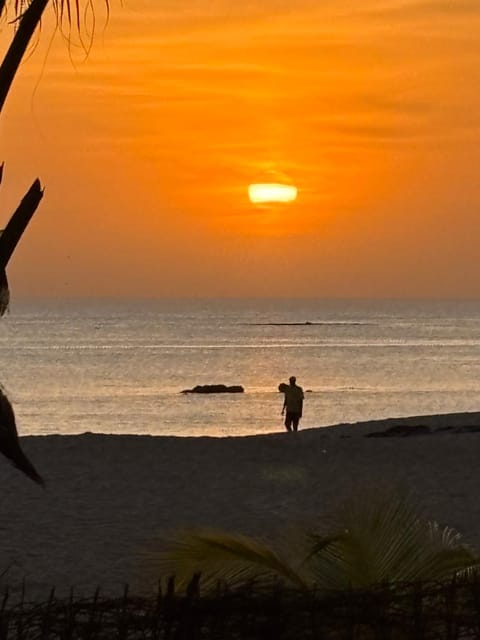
(27, 24)
(12, 234)
(18, 222)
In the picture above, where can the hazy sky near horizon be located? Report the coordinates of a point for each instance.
(146, 149)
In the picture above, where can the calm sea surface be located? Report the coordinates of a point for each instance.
(71, 366)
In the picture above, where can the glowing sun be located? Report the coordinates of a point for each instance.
(259, 193)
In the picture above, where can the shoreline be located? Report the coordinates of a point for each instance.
(111, 498)
(433, 421)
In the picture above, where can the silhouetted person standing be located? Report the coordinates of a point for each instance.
(293, 404)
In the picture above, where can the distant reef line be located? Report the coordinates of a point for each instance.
(307, 323)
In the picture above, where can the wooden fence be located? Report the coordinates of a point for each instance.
(400, 612)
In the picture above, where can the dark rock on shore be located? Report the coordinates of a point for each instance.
(215, 388)
(401, 431)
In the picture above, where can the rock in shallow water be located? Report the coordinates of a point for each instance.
(215, 388)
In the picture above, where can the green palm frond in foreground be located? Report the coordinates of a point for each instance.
(386, 540)
(232, 558)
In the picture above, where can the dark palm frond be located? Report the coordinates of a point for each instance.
(9, 442)
(4, 292)
(70, 11)
(27, 20)
(235, 559)
(449, 555)
(25, 27)
(11, 235)
(75, 21)
(18, 222)
(389, 540)
(378, 540)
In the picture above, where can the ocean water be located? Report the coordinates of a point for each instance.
(119, 366)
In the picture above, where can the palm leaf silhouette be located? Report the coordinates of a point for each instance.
(9, 442)
(217, 556)
(385, 539)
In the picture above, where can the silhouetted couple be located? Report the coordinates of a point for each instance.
(293, 404)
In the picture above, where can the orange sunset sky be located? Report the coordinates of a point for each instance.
(146, 149)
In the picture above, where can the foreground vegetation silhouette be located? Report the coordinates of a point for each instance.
(27, 17)
(10, 444)
(369, 542)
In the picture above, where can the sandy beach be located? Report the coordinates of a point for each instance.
(110, 498)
